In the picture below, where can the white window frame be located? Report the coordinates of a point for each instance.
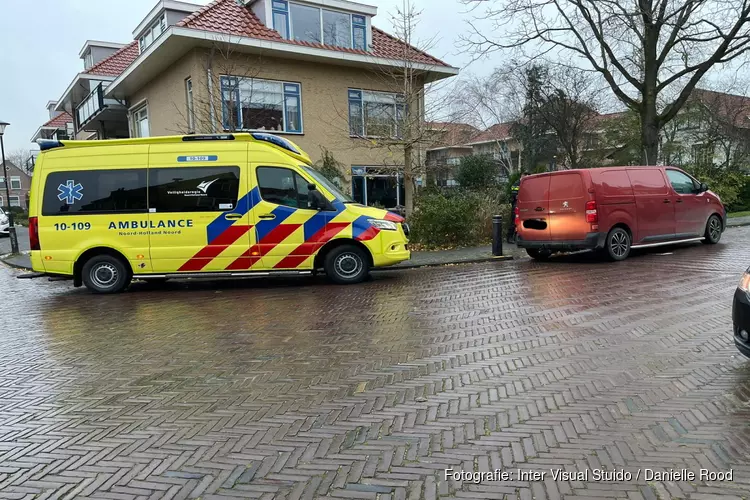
(190, 104)
(88, 60)
(18, 201)
(153, 32)
(135, 110)
(2, 181)
(14, 179)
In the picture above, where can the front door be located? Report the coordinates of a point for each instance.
(199, 208)
(690, 207)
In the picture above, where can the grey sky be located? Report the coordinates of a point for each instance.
(40, 41)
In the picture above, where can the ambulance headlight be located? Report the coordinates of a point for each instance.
(383, 225)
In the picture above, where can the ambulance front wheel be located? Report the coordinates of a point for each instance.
(105, 274)
(347, 265)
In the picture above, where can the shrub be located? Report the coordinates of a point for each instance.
(477, 172)
(456, 217)
(330, 167)
(728, 184)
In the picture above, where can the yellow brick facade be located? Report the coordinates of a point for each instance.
(325, 104)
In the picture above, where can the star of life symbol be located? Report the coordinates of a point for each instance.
(203, 186)
(70, 192)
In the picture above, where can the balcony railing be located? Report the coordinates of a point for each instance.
(90, 106)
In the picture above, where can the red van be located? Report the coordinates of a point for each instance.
(614, 209)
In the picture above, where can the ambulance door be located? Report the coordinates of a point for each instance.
(199, 210)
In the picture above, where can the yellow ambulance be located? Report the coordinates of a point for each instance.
(231, 205)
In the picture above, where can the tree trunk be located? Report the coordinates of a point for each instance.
(408, 180)
(649, 138)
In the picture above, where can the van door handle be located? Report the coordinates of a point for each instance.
(667, 201)
(679, 201)
(267, 216)
(539, 209)
(233, 216)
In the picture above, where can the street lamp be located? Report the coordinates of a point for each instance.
(6, 171)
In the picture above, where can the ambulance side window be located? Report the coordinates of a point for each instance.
(283, 186)
(95, 192)
(193, 189)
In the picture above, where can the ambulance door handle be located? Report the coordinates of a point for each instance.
(233, 216)
(267, 216)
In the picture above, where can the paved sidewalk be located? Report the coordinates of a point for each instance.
(738, 221)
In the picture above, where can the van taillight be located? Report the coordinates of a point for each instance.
(592, 215)
(516, 215)
(34, 233)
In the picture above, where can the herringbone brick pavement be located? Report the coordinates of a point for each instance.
(299, 389)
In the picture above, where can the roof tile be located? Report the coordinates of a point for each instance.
(118, 62)
(60, 121)
(227, 16)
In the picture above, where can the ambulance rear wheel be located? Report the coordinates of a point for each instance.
(347, 265)
(105, 274)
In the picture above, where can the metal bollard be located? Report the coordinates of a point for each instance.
(497, 235)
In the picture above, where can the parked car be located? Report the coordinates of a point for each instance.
(614, 209)
(741, 315)
(4, 224)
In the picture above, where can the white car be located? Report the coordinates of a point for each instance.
(4, 224)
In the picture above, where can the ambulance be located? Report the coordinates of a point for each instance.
(103, 213)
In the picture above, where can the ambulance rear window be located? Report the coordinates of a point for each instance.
(95, 191)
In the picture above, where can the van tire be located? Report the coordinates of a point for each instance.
(618, 244)
(713, 230)
(105, 274)
(347, 265)
(538, 254)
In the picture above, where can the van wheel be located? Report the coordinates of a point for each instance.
(347, 265)
(618, 244)
(713, 230)
(538, 254)
(105, 274)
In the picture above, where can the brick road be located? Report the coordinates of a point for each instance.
(299, 389)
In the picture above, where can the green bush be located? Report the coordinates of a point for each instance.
(477, 172)
(456, 217)
(728, 184)
(330, 167)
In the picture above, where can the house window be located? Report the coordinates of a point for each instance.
(2, 182)
(375, 114)
(190, 109)
(15, 183)
(15, 201)
(305, 23)
(255, 104)
(152, 33)
(359, 32)
(140, 122)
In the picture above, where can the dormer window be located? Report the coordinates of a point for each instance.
(148, 37)
(306, 23)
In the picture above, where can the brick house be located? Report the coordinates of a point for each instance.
(19, 183)
(317, 71)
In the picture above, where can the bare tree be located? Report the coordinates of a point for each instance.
(642, 48)
(18, 157)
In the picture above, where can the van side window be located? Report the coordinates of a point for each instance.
(283, 186)
(95, 192)
(681, 183)
(194, 189)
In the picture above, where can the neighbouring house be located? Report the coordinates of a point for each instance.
(316, 71)
(58, 127)
(19, 183)
(448, 145)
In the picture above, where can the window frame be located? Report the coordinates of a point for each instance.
(295, 174)
(10, 200)
(13, 179)
(288, 90)
(693, 181)
(190, 105)
(134, 111)
(357, 96)
(161, 24)
(2, 182)
(357, 22)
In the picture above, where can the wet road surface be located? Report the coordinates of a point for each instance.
(301, 389)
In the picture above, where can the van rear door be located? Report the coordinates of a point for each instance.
(533, 207)
(567, 207)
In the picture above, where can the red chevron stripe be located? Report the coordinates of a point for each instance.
(369, 234)
(208, 253)
(272, 239)
(308, 248)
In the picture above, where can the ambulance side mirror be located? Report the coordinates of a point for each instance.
(316, 200)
